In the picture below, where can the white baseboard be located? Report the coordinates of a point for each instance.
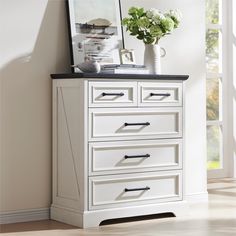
(24, 216)
(197, 197)
(44, 213)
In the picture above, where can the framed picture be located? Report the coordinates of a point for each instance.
(127, 56)
(95, 30)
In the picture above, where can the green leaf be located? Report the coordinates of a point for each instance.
(140, 37)
(125, 21)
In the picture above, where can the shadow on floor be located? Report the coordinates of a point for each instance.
(137, 218)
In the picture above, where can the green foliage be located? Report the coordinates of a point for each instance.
(212, 165)
(150, 26)
(213, 143)
(213, 95)
(212, 55)
(213, 99)
(212, 40)
(212, 11)
(212, 36)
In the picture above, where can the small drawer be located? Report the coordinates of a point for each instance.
(112, 94)
(142, 188)
(134, 156)
(134, 123)
(160, 94)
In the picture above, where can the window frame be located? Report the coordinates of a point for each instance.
(223, 101)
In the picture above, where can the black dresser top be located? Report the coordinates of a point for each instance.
(118, 76)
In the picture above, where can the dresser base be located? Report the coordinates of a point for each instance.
(94, 218)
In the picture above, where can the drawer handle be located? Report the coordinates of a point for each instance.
(136, 189)
(137, 124)
(160, 94)
(113, 94)
(137, 156)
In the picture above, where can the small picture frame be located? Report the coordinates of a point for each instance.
(127, 56)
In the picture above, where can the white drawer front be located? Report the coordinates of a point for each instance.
(112, 94)
(133, 156)
(160, 94)
(113, 124)
(110, 191)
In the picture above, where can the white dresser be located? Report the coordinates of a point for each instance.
(117, 147)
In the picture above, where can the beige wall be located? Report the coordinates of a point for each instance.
(33, 44)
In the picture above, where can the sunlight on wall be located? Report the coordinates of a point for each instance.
(19, 33)
(33, 44)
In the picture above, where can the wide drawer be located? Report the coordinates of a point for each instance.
(112, 94)
(138, 123)
(160, 94)
(130, 189)
(134, 156)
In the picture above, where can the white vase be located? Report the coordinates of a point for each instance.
(152, 58)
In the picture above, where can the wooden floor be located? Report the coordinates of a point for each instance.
(218, 217)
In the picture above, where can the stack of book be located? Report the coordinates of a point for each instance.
(124, 69)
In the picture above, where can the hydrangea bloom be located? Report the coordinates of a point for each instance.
(151, 25)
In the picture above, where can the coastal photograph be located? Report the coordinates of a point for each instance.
(97, 17)
(96, 30)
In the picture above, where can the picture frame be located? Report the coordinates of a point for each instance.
(127, 56)
(95, 31)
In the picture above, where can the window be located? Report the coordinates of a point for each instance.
(215, 84)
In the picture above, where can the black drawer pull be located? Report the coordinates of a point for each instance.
(137, 156)
(136, 189)
(113, 94)
(160, 94)
(137, 124)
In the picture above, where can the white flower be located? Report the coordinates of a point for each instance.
(176, 14)
(152, 12)
(155, 15)
(158, 18)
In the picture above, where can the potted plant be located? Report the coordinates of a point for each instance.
(150, 26)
